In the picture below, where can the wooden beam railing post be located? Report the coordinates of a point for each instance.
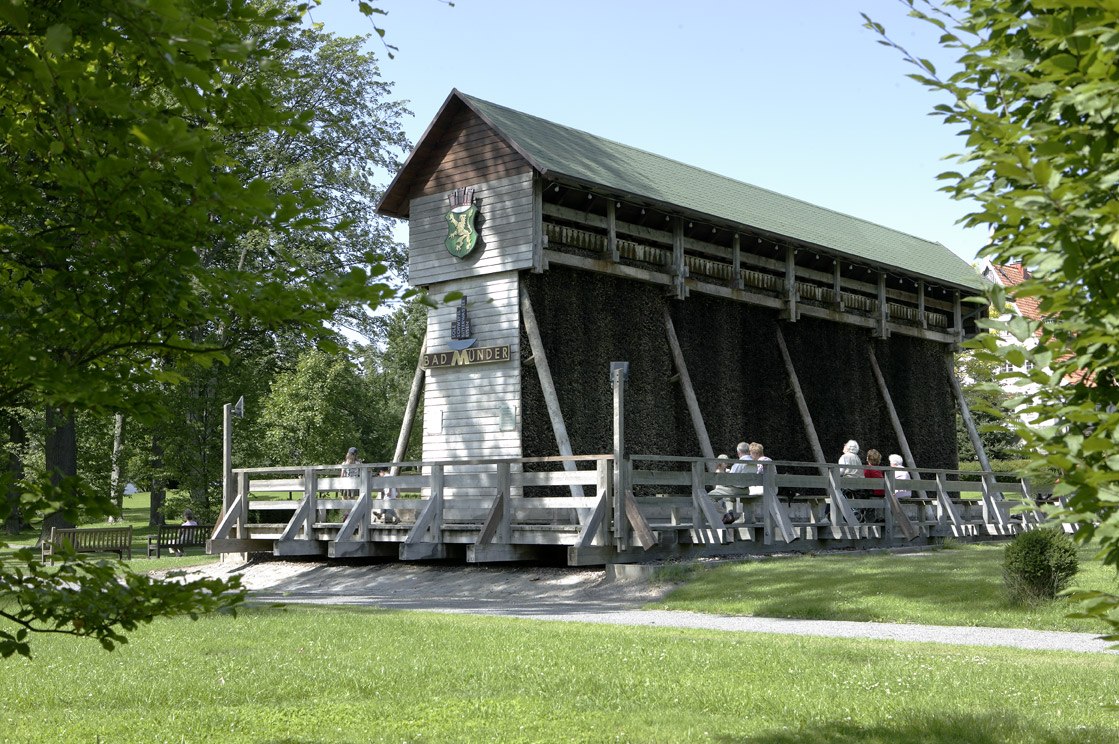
(704, 508)
(593, 529)
(243, 514)
(497, 526)
(311, 495)
(777, 513)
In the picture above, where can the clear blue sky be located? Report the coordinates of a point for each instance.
(790, 95)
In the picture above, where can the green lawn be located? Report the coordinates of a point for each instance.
(352, 675)
(938, 587)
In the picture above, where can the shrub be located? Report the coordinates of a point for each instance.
(1039, 564)
(177, 502)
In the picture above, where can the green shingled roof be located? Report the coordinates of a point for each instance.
(559, 151)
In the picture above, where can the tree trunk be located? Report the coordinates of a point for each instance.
(61, 458)
(17, 438)
(116, 490)
(155, 512)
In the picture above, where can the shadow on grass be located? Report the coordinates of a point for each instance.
(859, 588)
(991, 728)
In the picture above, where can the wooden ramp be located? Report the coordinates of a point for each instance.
(488, 511)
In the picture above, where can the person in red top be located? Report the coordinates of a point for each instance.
(873, 460)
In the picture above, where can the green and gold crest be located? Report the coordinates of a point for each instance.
(461, 234)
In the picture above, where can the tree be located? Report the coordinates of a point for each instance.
(985, 399)
(1036, 96)
(353, 134)
(315, 413)
(120, 178)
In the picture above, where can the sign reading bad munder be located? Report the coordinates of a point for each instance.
(473, 355)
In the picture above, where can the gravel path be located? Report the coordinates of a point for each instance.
(615, 613)
(570, 595)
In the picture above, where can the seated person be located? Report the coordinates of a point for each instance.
(873, 460)
(723, 495)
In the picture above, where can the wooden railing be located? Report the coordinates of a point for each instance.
(500, 508)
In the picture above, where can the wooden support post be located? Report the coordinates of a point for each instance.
(497, 524)
(592, 530)
(243, 513)
(839, 503)
(921, 303)
(957, 317)
(612, 231)
(619, 373)
(645, 537)
(883, 330)
(945, 502)
(297, 522)
(736, 263)
(311, 496)
(790, 313)
(430, 517)
(409, 412)
(538, 263)
(896, 516)
(679, 266)
(837, 287)
(703, 505)
(547, 386)
(976, 442)
(772, 505)
(356, 521)
(686, 385)
(895, 420)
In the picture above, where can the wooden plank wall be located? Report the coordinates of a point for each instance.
(475, 411)
(505, 235)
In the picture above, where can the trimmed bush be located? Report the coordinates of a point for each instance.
(1039, 564)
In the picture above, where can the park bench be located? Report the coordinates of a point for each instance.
(90, 540)
(178, 537)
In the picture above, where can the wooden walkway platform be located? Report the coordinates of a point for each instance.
(650, 508)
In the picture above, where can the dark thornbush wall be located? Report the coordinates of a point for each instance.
(589, 320)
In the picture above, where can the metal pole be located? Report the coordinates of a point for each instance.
(619, 373)
(226, 458)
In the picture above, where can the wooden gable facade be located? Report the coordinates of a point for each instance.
(721, 319)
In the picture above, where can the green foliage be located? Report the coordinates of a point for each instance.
(1040, 480)
(96, 599)
(1038, 565)
(1035, 94)
(155, 213)
(315, 413)
(985, 399)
